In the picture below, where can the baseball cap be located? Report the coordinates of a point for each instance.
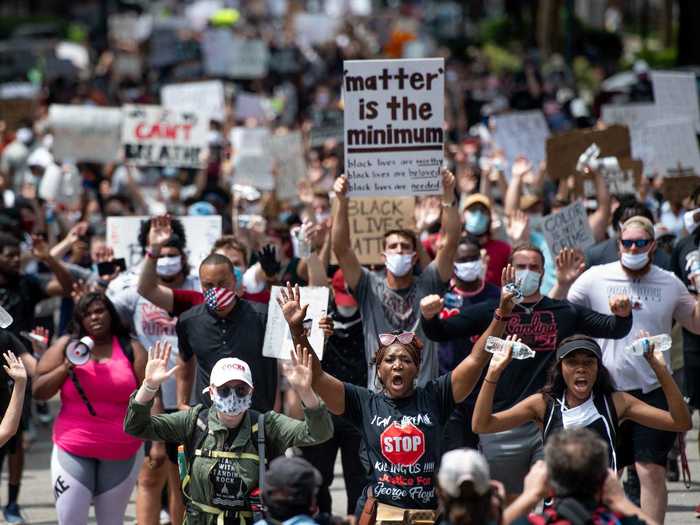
(460, 465)
(230, 369)
(579, 344)
(340, 290)
(294, 476)
(528, 201)
(476, 198)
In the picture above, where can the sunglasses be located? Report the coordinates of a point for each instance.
(405, 338)
(639, 243)
(225, 391)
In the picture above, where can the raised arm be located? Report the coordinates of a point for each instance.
(10, 421)
(598, 220)
(614, 326)
(340, 234)
(148, 286)
(570, 264)
(512, 199)
(62, 283)
(451, 225)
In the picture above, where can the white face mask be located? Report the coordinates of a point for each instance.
(231, 405)
(169, 266)
(399, 264)
(468, 271)
(689, 220)
(346, 311)
(528, 281)
(634, 261)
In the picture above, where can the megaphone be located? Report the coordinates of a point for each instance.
(78, 352)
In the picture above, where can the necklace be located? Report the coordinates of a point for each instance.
(529, 309)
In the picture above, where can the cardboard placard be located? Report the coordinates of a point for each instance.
(235, 57)
(521, 133)
(85, 133)
(17, 112)
(394, 114)
(278, 339)
(626, 180)
(252, 162)
(568, 228)
(676, 95)
(288, 152)
(677, 189)
(564, 149)
(669, 143)
(201, 232)
(156, 136)
(206, 97)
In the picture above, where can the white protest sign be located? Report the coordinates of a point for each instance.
(231, 56)
(278, 339)
(85, 133)
(568, 228)
(676, 95)
(206, 97)
(670, 143)
(157, 136)
(252, 163)
(288, 152)
(630, 115)
(394, 113)
(249, 105)
(522, 133)
(618, 180)
(315, 28)
(201, 233)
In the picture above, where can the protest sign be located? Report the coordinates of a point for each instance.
(235, 57)
(393, 126)
(206, 97)
(630, 115)
(129, 28)
(370, 218)
(326, 124)
(85, 133)
(625, 178)
(201, 233)
(669, 143)
(18, 102)
(568, 228)
(156, 136)
(521, 133)
(564, 149)
(278, 339)
(249, 105)
(676, 95)
(252, 163)
(677, 189)
(288, 152)
(315, 28)
(168, 47)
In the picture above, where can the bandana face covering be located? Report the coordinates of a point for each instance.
(231, 405)
(218, 299)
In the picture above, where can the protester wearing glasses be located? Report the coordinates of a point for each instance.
(658, 297)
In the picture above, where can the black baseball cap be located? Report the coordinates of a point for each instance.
(294, 476)
(579, 344)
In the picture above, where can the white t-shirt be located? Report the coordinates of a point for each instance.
(657, 298)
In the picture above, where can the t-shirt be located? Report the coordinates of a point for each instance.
(19, 297)
(344, 355)
(657, 298)
(8, 341)
(384, 310)
(498, 252)
(685, 251)
(403, 440)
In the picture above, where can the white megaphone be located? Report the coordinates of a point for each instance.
(78, 352)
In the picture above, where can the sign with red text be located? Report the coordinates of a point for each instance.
(402, 444)
(156, 136)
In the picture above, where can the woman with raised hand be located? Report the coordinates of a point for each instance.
(10, 419)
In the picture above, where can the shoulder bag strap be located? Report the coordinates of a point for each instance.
(81, 392)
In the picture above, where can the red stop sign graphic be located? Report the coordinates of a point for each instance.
(402, 444)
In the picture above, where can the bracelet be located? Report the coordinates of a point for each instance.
(448, 205)
(489, 381)
(498, 316)
(150, 388)
(150, 254)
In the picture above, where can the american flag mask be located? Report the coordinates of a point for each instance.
(218, 299)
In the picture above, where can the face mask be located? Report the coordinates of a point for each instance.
(634, 261)
(689, 220)
(218, 299)
(528, 280)
(169, 266)
(468, 271)
(347, 311)
(231, 405)
(399, 264)
(476, 223)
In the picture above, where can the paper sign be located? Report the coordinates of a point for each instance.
(288, 152)
(370, 218)
(394, 113)
(278, 339)
(521, 133)
(564, 149)
(253, 106)
(670, 143)
(625, 179)
(677, 189)
(312, 28)
(205, 97)
(252, 162)
(326, 124)
(85, 133)
(676, 95)
(568, 228)
(235, 57)
(201, 233)
(156, 136)
(630, 115)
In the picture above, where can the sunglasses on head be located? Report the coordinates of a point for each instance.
(405, 338)
(639, 243)
(240, 390)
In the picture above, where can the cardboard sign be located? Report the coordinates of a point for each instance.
(371, 218)
(521, 133)
(567, 228)
(156, 136)
(564, 149)
(288, 152)
(252, 163)
(626, 179)
(201, 233)
(670, 143)
(231, 56)
(326, 124)
(676, 95)
(394, 113)
(278, 339)
(18, 103)
(85, 133)
(677, 189)
(205, 97)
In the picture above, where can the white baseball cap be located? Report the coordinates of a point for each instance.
(230, 369)
(460, 465)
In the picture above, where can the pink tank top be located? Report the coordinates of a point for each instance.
(107, 386)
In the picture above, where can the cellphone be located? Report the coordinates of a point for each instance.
(109, 267)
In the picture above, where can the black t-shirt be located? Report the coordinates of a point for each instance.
(344, 355)
(8, 341)
(19, 297)
(403, 440)
(685, 251)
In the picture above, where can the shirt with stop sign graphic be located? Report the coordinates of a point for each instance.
(403, 438)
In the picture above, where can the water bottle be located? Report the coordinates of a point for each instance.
(453, 300)
(181, 461)
(516, 291)
(520, 350)
(5, 318)
(662, 343)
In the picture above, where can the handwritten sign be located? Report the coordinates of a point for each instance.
(156, 136)
(630, 115)
(676, 95)
(522, 133)
(205, 97)
(568, 228)
(288, 152)
(85, 133)
(278, 339)
(252, 162)
(670, 143)
(18, 103)
(677, 189)
(201, 233)
(394, 113)
(235, 57)
(623, 178)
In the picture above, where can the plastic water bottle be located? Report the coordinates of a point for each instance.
(5, 318)
(514, 289)
(520, 350)
(662, 343)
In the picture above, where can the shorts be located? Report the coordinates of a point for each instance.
(637, 443)
(510, 454)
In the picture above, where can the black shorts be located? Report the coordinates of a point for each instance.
(170, 450)
(637, 443)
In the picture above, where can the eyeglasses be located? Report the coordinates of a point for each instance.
(225, 391)
(639, 243)
(405, 338)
